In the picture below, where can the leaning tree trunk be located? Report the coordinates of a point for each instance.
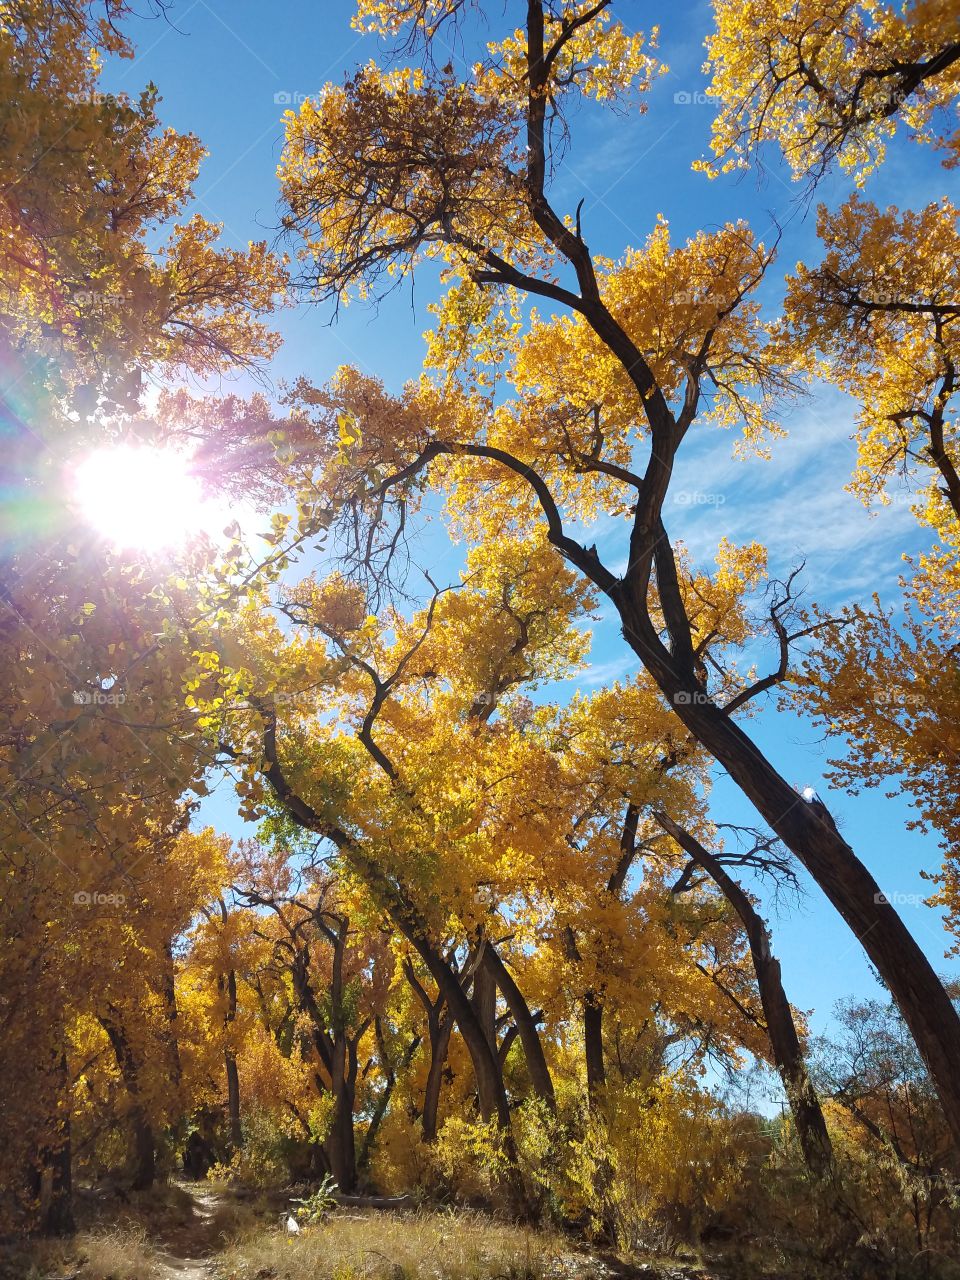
(483, 1055)
(781, 1028)
(440, 1029)
(809, 833)
(526, 1026)
(486, 1064)
(483, 1001)
(403, 912)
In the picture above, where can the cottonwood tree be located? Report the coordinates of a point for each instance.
(398, 167)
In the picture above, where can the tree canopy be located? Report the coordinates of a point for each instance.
(482, 927)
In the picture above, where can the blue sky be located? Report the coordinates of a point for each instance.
(226, 70)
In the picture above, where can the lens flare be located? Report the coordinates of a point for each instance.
(144, 498)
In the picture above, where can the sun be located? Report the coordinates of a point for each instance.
(145, 498)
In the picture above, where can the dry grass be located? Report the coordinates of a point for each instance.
(419, 1246)
(117, 1253)
(121, 1253)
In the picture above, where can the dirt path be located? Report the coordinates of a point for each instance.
(186, 1252)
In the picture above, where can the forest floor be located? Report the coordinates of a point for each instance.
(188, 1231)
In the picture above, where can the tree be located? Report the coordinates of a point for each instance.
(888, 1120)
(99, 286)
(339, 982)
(484, 828)
(656, 345)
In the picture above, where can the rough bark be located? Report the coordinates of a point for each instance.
(484, 1001)
(145, 1151)
(439, 1047)
(340, 1144)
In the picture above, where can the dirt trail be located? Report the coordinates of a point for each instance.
(186, 1252)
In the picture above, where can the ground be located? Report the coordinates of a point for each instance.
(205, 1232)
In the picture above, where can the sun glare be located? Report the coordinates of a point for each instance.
(144, 498)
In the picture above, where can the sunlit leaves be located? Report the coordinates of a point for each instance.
(829, 80)
(882, 309)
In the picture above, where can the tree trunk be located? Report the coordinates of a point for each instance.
(233, 1099)
(593, 999)
(592, 1003)
(441, 1028)
(484, 1001)
(809, 832)
(169, 990)
(230, 1065)
(486, 1065)
(144, 1146)
(340, 1144)
(55, 1181)
(593, 1047)
(781, 1028)
(526, 1026)
(475, 1030)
